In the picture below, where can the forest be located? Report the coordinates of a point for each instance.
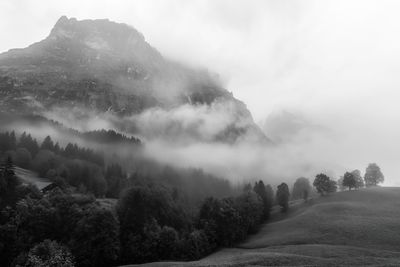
(148, 220)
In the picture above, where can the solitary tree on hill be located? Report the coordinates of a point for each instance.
(324, 184)
(373, 175)
(282, 196)
(301, 189)
(349, 180)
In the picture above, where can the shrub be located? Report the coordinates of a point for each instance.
(49, 254)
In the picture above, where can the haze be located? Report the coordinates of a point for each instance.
(333, 64)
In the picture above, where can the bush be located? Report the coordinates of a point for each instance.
(49, 254)
(195, 245)
(168, 243)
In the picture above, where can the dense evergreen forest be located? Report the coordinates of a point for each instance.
(169, 214)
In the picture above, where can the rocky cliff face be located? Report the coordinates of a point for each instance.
(106, 67)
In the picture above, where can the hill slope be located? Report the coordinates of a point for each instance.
(345, 229)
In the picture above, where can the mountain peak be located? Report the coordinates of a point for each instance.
(98, 33)
(62, 20)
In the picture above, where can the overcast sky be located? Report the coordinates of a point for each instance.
(335, 62)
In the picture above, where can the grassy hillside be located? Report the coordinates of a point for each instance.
(367, 218)
(348, 228)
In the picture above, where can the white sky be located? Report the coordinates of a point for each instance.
(337, 62)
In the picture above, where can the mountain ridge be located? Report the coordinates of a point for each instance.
(106, 66)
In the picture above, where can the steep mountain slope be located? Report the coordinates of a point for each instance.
(106, 67)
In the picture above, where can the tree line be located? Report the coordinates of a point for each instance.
(102, 173)
(353, 180)
(326, 185)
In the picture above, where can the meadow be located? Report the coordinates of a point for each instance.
(360, 227)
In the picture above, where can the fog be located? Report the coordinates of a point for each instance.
(333, 64)
(187, 137)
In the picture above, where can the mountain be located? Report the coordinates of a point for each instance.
(102, 67)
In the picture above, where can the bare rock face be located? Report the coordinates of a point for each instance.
(106, 67)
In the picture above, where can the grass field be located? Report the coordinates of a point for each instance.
(345, 229)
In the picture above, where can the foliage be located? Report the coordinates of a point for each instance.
(8, 141)
(49, 254)
(116, 180)
(109, 136)
(142, 210)
(349, 180)
(47, 144)
(251, 208)
(90, 232)
(222, 219)
(157, 216)
(229, 220)
(358, 178)
(95, 240)
(195, 245)
(301, 188)
(332, 186)
(266, 195)
(26, 141)
(282, 196)
(270, 194)
(9, 184)
(324, 184)
(83, 168)
(373, 175)
(44, 161)
(23, 158)
(168, 243)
